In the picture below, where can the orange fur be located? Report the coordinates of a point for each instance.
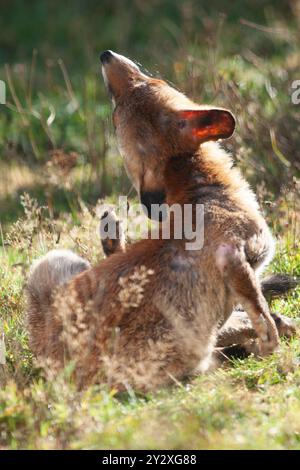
(150, 315)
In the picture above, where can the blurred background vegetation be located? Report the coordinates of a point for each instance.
(58, 156)
(56, 138)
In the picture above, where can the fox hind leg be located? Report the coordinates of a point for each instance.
(238, 329)
(245, 287)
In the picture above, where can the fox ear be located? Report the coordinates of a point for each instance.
(202, 125)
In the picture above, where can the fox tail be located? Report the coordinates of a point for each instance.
(51, 271)
(277, 285)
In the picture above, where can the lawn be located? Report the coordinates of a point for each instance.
(250, 403)
(59, 162)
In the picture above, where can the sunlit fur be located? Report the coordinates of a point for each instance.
(151, 315)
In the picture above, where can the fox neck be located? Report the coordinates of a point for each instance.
(204, 175)
(187, 176)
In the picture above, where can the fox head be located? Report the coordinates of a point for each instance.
(155, 122)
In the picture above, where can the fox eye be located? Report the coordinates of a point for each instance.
(181, 124)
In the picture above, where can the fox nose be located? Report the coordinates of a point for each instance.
(106, 56)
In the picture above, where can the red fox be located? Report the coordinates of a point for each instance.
(154, 312)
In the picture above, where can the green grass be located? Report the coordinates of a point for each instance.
(245, 58)
(252, 405)
(249, 403)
